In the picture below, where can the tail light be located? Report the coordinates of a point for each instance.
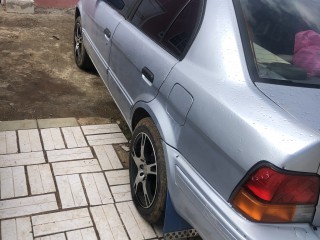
(272, 195)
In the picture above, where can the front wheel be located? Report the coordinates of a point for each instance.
(148, 179)
(81, 56)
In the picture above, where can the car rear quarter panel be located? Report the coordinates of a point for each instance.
(232, 125)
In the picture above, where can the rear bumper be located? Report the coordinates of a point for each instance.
(198, 203)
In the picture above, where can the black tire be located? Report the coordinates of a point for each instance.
(81, 56)
(148, 179)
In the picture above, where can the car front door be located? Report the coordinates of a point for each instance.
(139, 60)
(103, 18)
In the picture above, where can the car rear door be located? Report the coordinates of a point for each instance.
(139, 60)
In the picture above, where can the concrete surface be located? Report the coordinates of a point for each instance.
(20, 6)
(57, 184)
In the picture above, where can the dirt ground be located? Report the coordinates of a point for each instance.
(38, 76)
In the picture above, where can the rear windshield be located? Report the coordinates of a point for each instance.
(284, 37)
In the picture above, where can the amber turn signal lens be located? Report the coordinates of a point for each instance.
(261, 212)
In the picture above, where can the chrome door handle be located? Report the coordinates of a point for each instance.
(147, 74)
(107, 34)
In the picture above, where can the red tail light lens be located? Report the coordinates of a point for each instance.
(271, 195)
(275, 187)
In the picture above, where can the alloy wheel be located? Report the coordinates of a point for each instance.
(145, 170)
(78, 40)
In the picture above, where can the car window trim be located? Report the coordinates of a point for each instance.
(134, 2)
(196, 28)
(195, 33)
(135, 5)
(245, 39)
(133, 10)
(174, 20)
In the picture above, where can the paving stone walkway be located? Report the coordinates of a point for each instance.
(59, 180)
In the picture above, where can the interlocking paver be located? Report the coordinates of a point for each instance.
(28, 205)
(74, 176)
(74, 137)
(17, 125)
(52, 139)
(107, 157)
(8, 142)
(108, 223)
(69, 154)
(97, 189)
(118, 177)
(57, 122)
(61, 221)
(81, 166)
(29, 140)
(82, 234)
(121, 193)
(20, 159)
(59, 236)
(101, 129)
(8, 229)
(136, 226)
(13, 182)
(16, 229)
(40, 179)
(71, 191)
(106, 139)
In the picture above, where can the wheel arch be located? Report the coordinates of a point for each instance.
(78, 10)
(166, 126)
(139, 114)
(77, 13)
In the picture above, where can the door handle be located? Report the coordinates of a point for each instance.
(107, 34)
(147, 74)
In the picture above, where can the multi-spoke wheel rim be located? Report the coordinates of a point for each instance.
(78, 41)
(144, 170)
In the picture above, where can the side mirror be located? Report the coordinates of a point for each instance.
(118, 4)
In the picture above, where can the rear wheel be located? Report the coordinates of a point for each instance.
(148, 179)
(82, 59)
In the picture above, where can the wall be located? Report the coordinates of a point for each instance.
(55, 3)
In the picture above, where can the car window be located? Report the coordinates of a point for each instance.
(184, 27)
(154, 17)
(285, 39)
(171, 23)
(122, 6)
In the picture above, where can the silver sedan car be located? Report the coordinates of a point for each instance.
(223, 99)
